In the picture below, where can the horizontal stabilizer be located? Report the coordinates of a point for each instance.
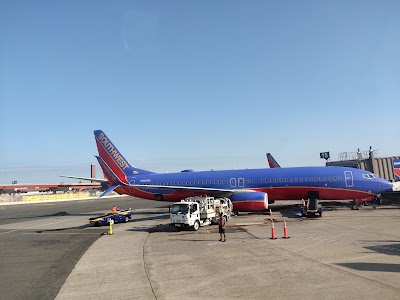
(86, 178)
(109, 189)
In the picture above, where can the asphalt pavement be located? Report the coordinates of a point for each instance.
(343, 255)
(41, 243)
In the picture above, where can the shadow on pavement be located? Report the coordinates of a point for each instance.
(377, 267)
(388, 249)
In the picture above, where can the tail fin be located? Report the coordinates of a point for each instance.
(115, 167)
(272, 162)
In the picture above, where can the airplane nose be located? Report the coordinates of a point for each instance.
(386, 186)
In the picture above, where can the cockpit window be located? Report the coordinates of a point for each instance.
(369, 176)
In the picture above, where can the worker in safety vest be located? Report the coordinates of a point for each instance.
(114, 209)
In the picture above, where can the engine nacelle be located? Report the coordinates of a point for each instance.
(249, 201)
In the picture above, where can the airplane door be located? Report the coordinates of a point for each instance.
(233, 182)
(348, 177)
(240, 182)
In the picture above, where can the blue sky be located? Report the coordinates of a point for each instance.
(195, 84)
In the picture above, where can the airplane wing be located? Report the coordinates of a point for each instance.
(181, 188)
(209, 191)
(86, 178)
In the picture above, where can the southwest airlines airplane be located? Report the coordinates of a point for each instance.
(248, 189)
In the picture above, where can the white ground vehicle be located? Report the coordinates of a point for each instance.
(194, 212)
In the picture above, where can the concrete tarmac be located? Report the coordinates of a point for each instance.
(343, 255)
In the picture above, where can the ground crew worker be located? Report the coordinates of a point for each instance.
(114, 209)
(221, 223)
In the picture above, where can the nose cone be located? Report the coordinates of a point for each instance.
(385, 186)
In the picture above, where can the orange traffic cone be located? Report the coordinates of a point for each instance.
(272, 231)
(285, 233)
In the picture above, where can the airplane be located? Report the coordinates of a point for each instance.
(272, 162)
(248, 189)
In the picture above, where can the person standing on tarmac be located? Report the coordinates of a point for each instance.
(221, 227)
(114, 209)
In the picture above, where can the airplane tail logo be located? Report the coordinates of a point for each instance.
(114, 164)
(272, 162)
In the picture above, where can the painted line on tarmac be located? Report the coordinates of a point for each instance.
(162, 215)
(67, 233)
(39, 226)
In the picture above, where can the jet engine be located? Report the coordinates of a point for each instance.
(249, 201)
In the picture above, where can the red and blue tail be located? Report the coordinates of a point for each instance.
(115, 167)
(272, 162)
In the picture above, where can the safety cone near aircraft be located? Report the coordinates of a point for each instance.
(285, 231)
(273, 237)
